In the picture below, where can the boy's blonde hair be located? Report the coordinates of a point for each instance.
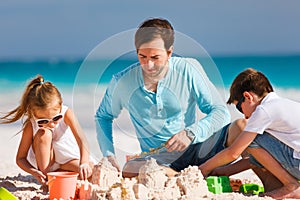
(249, 80)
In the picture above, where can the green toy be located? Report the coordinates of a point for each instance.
(251, 189)
(218, 184)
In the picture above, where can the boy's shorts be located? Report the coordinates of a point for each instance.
(280, 151)
(198, 153)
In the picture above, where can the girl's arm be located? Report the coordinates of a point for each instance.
(21, 158)
(229, 154)
(72, 122)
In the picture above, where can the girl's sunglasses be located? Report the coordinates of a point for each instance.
(41, 122)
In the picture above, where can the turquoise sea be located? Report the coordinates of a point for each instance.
(283, 71)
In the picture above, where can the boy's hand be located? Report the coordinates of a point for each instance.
(204, 172)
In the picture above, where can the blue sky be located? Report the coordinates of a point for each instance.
(50, 29)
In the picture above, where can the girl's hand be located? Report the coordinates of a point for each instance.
(39, 176)
(85, 171)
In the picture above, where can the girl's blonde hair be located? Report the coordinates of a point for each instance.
(37, 95)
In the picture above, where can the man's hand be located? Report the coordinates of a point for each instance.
(178, 142)
(114, 162)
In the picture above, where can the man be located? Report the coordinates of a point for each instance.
(161, 94)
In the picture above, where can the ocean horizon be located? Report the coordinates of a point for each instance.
(281, 70)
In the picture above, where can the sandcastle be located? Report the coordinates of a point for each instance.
(152, 183)
(192, 183)
(105, 175)
(152, 175)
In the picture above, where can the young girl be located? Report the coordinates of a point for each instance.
(52, 138)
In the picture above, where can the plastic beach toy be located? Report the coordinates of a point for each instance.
(6, 195)
(62, 184)
(218, 184)
(251, 188)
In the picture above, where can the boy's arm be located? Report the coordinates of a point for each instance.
(229, 154)
(234, 168)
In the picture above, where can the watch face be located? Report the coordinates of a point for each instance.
(190, 134)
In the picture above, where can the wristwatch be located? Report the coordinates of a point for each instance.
(190, 134)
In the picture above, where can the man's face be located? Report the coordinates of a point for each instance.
(153, 58)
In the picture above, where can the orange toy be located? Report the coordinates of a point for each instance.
(62, 184)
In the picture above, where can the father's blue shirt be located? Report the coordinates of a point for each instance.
(158, 116)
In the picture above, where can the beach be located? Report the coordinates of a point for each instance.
(79, 46)
(24, 186)
(84, 100)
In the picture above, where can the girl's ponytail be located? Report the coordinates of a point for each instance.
(38, 94)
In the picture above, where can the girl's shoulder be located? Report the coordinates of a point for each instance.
(64, 109)
(28, 129)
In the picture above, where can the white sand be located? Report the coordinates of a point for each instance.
(23, 185)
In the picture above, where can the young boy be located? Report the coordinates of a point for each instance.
(271, 136)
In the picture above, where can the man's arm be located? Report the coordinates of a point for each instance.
(104, 119)
(209, 101)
